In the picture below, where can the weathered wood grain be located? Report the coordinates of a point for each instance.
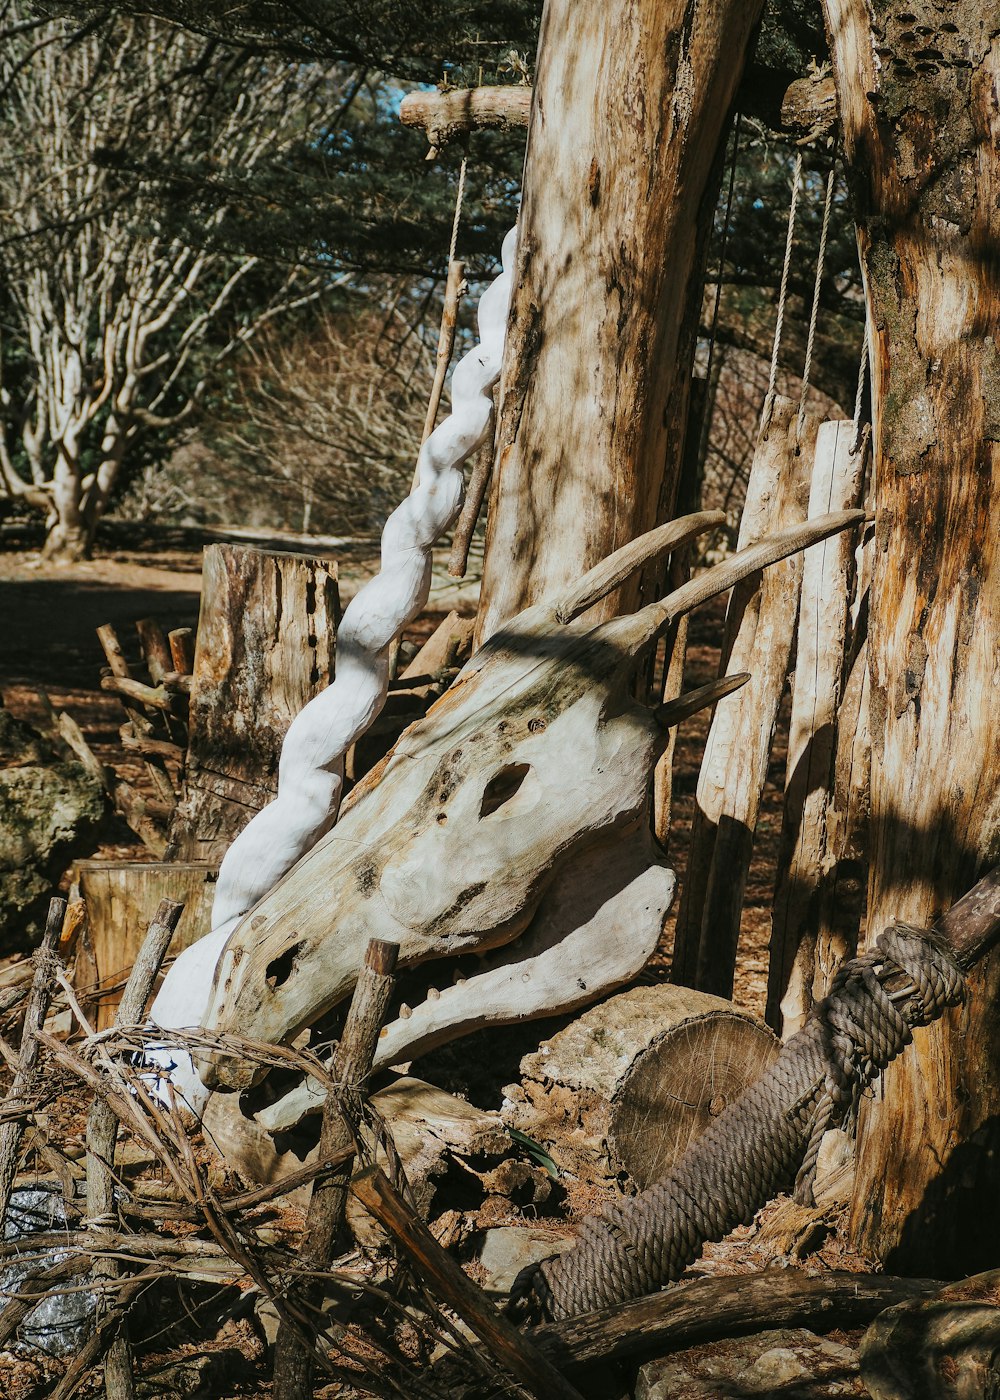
(822, 658)
(266, 643)
(921, 116)
(760, 625)
(631, 109)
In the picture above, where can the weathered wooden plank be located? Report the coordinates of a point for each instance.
(760, 625)
(266, 641)
(822, 660)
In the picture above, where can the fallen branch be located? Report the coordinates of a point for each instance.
(705, 1310)
(514, 1351)
(352, 1065)
(46, 964)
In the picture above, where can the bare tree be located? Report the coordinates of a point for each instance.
(116, 313)
(330, 418)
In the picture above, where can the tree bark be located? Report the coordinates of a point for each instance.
(629, 117)
(266, 640)
(921, 123)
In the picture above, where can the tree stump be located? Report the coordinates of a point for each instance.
(628, 1085)
(121, 898)
(266, 640)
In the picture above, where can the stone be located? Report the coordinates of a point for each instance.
(791, 1362)
(49, 809)
(61, 1321)
(508, 1249)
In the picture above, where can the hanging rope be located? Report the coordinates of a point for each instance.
(859, 429)
(459, 198)
(722, 250)
(765, 420)
(814, 314)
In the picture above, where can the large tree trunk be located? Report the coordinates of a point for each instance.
(921, 121)
(630, 112)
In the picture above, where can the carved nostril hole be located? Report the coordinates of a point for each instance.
(503, 786)
(279, 971)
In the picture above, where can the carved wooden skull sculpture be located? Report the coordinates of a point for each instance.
(510, 823)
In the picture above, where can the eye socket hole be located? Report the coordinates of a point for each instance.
(280, 969)
(503, 786)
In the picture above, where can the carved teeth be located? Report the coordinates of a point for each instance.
(432, 993)
(405, 1012)
(459, 978)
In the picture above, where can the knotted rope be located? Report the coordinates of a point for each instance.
(763, 1143)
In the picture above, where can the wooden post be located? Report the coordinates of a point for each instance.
(352, 1064)
(630, 113)
(918, 100)
(760, 627)
(265, 647)
(514, 1351)
(822, 657)
(102, 1135)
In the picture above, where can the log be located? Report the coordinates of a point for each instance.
(924, 171)
(448, 645)
(121, 898)
(155, 649)
(823, 653)
(630, 1083)
(181, 641)
(266, 641)
(514, 1351)
(445, 115)
(632, 109)
(760, 627)
(706, 1309)
(809, 106)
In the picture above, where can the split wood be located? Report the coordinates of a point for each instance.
(352, 1064)
(102, 1132)
(46, 963)
(515, 1352)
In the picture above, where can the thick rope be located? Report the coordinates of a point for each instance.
(814, 313)
(765, 421)
(762, 1144)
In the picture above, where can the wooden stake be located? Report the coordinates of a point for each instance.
(352, 1063)
(11, 1132)
(453, 289)
(181, 641)
(102, 1133)
(515, 1352)
(155, 648)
